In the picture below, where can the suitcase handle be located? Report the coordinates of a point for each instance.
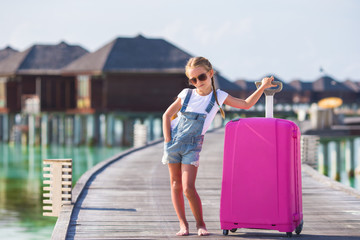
(271, 91)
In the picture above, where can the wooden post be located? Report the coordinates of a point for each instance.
(326, 158)
(96, 129)
(77, 129)
(61, 133)
(102, 129)
(44, 130)
(89, 138)
(333, 145)
(110, 130)
(350, 155)
(4, 128)
(339, 159)
(118, 131)
(140, 135)
(55, 129)
(128, 132)
(158, 128)
(151, 127)
(309, 150)
(69, 129)
(58, 181)
(31, 130)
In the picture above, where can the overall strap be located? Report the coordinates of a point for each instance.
(211, 104)
(186, 101)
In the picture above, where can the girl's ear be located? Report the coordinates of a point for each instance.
(211, 73)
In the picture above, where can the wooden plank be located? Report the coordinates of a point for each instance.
(48, 182)
(49, 214)
(49, 208)
(66, 164)
(47, 195)
(65, 160)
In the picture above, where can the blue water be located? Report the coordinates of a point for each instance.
(21, 186)
(339, 149)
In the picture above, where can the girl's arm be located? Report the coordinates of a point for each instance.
(171, 111)
(252, 99)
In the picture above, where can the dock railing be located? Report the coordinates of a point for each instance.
(57, 185)
(309, 149)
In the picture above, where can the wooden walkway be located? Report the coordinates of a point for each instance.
(130, 199)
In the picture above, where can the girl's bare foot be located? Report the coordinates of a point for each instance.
(202, 231)
(184, 230)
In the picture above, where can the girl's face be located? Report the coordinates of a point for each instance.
(200, 77)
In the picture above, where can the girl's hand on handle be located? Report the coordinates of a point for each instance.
(267, 82)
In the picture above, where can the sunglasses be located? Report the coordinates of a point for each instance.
(202, 77)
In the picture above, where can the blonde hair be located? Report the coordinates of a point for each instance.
(205, 63)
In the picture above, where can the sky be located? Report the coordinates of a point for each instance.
(291, 39)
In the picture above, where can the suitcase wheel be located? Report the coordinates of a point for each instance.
(289, 234)
(233, 230)
(299, 228)
(225, 232)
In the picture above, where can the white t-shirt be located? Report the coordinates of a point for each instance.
(198, 104)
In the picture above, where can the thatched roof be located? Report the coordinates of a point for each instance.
(327, 83)
(301, 86)
(7, 52)
(138, 54)
(286, 87)
(355, 86)
(246, 85)
(250, 85)
(41, 59)
(225, 85)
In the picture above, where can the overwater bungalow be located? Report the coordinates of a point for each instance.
(7, 52)
(355, 86)
(303, 92)
(247, 87)
(285, 96)
(326, 86)
(132, 74)
(34, 75)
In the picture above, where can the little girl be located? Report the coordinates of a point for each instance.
(184, 135)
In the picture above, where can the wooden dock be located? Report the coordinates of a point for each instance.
(129, 198)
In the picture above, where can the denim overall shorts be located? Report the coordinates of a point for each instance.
(186, 139)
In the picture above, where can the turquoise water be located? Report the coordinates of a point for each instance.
(341, 155)
(21, 186)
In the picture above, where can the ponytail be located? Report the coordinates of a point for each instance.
(216, 99)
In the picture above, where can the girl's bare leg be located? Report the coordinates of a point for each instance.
(177, 197)
(189, 173)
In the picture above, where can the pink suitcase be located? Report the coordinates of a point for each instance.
(261, 185)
